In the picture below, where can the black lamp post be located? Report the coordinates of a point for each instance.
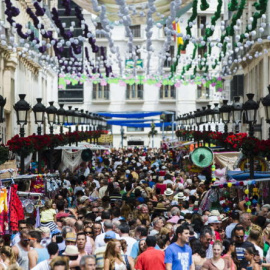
(2, 105)
(250, 108)
(266, 104)
(225, 112)
(237, 108)
(198, 118)
(216, 115)
(209, 116)
(39, 111)
(76, 120)
(22, 107)
(82, 119)
(86, 120)
(90, 124)
(51, 114)
(70, 120)
(61, 117)
(122, 137)
(203, 117)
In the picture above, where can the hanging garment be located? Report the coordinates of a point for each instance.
(70, 160)
(15, 208)
(3, 210)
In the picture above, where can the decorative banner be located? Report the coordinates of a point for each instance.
(130, 63)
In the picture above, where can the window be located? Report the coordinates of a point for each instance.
(98, 54)
(71, 96)
(101, 92)
(202, 51)
(135, 30)
(201, 20)
(99, 27)
(169, 59)
(203, 92)
(167, 92)
(135, 91)
(135, 129)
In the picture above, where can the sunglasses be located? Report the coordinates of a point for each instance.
(88, 232)
(21, 228)
(81, 217)
(239, 236)
(95, 212)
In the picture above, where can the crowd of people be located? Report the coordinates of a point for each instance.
(137, 209)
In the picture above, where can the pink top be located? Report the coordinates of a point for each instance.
(210, 266)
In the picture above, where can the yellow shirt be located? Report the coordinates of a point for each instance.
(47, 215)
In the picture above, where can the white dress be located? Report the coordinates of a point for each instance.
(121, 266)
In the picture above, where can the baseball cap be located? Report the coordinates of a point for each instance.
(110, 235)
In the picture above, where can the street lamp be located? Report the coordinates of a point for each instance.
(208, 116)
(198, 118)
(225, 112)
(76, 118)
(82, 118)
(39, 110)
(61, 117)
(203, 117)
(216, 115)
(22, 107)
(2, 105)
(250, 108)
(122, 136)
(51, 114)
(87, 120)
(237, 108)
(266, 104)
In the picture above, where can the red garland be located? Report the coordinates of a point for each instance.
(30, 144)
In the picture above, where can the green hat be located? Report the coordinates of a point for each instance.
(202, 157)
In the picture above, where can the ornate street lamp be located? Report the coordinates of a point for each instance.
(216, 115)
(266, 104)
(2, 105)
(51, 114)
(250, 108)
(39, 111)
(198, 118)
(61, 117)
(225, 112)
(209, 116)
(237, 109)
(22, 107)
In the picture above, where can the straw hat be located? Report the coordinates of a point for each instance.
(160, 206)
(180, 196)
(71, 251)
(215, 213)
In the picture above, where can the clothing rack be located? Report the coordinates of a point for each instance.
(27, 176)
(25, 193)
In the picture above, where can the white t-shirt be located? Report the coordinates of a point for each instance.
(99, 241)
(130, 241)
(44, 265)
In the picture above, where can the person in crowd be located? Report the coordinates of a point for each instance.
(53, 251)
(38, 253)
(48, 216)
(7, 258)
(234, 222)
(230, 254)
(88, 262)
(150, 256)
(217, 262)
(250, 253)
(124, 235)
(178, 255)
(17, 237)
(113, 259)
(206, 237)
(198, 254)
(22, 249)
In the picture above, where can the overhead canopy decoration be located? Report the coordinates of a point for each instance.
(137, 6)
(85, 60)
(145, 125)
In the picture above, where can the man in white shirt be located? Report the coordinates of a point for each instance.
(53, 252)
(124, 234)
(108, 226)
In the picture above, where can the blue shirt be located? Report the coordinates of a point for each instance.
(135, 249)
(179, 257)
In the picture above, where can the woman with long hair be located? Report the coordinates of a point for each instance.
(48, 216)
(255, 237)
(198, 254)
(216, 263)
(113, 259)
(8, 257)
(230, 254)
